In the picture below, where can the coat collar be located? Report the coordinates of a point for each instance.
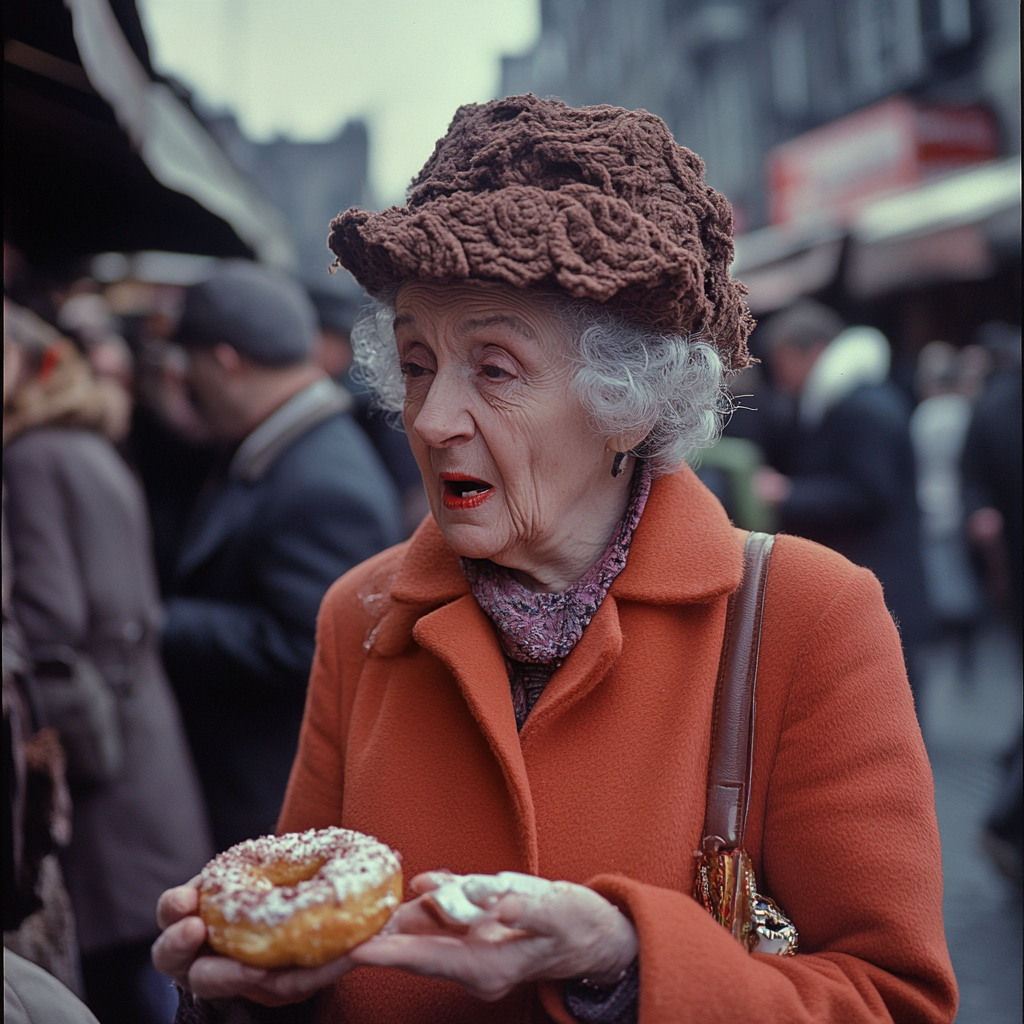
(684, 551)
(282, 428)
(218, 514)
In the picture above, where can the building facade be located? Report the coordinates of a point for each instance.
(734, 79)
(309, 182)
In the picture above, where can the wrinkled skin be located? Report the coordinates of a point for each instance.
(488, 396)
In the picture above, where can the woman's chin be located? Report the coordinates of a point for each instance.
(469, 540)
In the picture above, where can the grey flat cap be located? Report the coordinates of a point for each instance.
(263, 315)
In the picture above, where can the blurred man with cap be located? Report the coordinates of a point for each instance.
(298, 498)
(333, 354)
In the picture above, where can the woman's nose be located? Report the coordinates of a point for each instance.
(444, 418)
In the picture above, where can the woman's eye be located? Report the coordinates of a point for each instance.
(414, 370)
(496, 372)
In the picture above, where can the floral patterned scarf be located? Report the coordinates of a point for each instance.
(539, 630)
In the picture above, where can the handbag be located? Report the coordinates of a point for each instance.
(725, 882)
(79, 702)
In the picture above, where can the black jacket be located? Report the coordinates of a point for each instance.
(991, 466)
(854, 490)
(262, 549)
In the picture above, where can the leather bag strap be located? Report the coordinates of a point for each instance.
(732, 730)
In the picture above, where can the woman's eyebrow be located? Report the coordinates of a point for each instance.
(508, 319)
(402, 320)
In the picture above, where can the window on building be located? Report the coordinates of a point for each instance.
(955, 21)
(885, 45)
(790, 79)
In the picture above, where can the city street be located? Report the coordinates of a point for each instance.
(970, 717)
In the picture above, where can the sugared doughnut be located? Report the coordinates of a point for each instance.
(299, 900)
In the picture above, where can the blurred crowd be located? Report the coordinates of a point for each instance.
(187, 471)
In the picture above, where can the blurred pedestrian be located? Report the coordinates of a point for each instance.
(763, 413)
(852, 482)
(39, 923)
(938, 428)
(333, 354)
(85, 596)
(332, 343)
(992, 467)
(85, 315)
(297, 498)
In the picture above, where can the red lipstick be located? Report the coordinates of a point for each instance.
(463, 492)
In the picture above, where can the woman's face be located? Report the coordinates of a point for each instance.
(513, 471)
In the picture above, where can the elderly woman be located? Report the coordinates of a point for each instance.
(523, 691)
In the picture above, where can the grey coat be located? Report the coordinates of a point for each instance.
(84, 578)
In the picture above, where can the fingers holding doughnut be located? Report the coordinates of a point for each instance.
(219, 977)
(177, 903)
(176, 949)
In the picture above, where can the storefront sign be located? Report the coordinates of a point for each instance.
(827, 175)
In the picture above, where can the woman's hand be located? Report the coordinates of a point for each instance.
(181, 953)
(490, 933)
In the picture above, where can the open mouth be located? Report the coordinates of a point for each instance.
(462, 492)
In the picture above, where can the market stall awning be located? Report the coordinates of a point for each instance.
(778, 265)
(102, 155)
(967, 197)
(953, 229)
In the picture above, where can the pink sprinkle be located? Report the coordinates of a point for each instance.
(235, 885)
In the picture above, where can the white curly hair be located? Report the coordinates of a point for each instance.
(669, 389)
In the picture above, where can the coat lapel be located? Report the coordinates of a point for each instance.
(589, 662)
(685, 550)
(462, 637)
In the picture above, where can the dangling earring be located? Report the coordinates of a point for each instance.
(617, 463)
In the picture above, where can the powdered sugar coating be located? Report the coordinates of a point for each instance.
(351, 863)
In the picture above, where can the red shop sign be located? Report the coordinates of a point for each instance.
(828, 174)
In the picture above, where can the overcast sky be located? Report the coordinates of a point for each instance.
(301, 68)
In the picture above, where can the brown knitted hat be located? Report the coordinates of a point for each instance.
(599, 202)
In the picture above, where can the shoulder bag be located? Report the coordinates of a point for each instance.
(725, 882)
(80, 703)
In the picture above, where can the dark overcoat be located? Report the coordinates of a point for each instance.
(262, 549)
(991, 466)
(854, 491)
(84, 578)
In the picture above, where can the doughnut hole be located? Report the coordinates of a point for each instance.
(284, 873)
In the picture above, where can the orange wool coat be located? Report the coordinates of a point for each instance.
(409, 735)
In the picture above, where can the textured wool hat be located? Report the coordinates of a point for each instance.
(598, 202)
(263, 315)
